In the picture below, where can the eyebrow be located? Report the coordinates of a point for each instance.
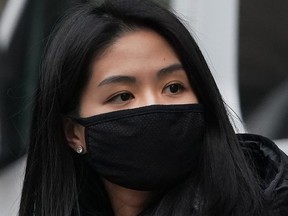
(130, 79)
(170, 69)
(118, 79)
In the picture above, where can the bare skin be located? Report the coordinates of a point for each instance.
(140, 68)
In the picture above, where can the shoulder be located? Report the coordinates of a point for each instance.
(271, 165)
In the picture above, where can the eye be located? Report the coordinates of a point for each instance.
(173, 88)
(120, 97)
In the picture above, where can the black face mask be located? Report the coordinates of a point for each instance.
(146, 148)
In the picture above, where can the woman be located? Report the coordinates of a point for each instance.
(129, 121)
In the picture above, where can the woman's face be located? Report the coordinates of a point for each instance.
(138, 69)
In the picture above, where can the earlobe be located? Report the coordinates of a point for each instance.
(74, 134)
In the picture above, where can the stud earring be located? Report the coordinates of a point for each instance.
(79, 149)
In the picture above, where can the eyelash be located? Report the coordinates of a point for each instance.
(180, 87)
(126, 96)
(113, 98)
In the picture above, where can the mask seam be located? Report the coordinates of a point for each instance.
(139, 114)
(198, 109)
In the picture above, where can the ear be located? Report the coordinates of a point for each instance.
(74, 134)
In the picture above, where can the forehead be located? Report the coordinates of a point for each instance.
(140, 50)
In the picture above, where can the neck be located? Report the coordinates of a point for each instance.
(127, 202)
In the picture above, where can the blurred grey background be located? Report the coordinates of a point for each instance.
(263, 66)
(244, 42)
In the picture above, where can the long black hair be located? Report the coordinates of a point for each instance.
(57, 183)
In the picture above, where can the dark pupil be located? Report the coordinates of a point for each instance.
(174, 88)
(125, 97)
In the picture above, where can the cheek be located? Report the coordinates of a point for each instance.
(187, 97)
(192, 97)
(90, 105)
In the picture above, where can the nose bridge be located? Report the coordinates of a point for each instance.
(149, 97)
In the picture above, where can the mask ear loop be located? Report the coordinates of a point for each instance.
(79, 149)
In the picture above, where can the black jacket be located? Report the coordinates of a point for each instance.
(272, 167)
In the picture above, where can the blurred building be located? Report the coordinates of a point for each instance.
(244, 42)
